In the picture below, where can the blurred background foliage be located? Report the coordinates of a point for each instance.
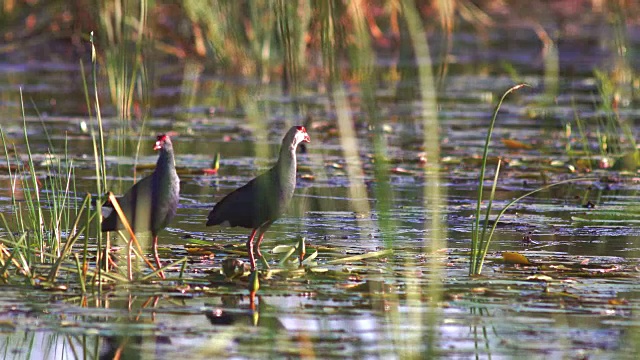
(267, 38)
(372, 63)
(301, 48)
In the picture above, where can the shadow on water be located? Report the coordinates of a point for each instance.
(396, 105)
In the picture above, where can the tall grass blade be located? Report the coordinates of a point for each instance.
(476, 237)
(37, 219)
(485, 226)
(133, 240)
(485, 248)
(72, 240)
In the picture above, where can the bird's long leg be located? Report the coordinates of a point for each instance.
(107, 249)
(250, 249)
(263, 229)
(155, 255)
(258, 245)
(129, 267)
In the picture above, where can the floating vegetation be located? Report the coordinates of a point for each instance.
(373, 258)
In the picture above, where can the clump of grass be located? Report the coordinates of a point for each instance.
(46, 216)
(479, 239)
(49, 219)
(616, 146)
(481, 234)
(124, 33)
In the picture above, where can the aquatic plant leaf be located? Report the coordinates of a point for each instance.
(309, 258)
(540, 277)
(515, 258)
(605, 221)
(628, 161)
(286, 256)
(515, 144)
(199, 251)
(215, 166)
(561, 267)
(216, 162)
(401, 171)
(7, 325)
(254, 283)
(613, 268)
(265, 262)
(618, 302)
(280, 249)
(361, 257)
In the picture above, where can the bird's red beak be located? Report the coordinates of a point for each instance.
(306, 138)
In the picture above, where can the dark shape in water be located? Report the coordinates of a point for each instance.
(260, 202)
(233, 313)
(128, 347)
(152, 202)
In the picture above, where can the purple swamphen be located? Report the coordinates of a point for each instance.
(152, 202)
(260, 202)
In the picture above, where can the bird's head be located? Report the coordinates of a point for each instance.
(162, 141)
(300, 135)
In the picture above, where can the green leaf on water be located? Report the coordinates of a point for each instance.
(309, 258)
(254, 282)
(264, 262)
(286, 256)
(282, 249)
(354, 258)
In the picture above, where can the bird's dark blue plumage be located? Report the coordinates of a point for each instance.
(262, 200)
(152, 202)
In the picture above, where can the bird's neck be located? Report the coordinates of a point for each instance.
(166, 160)
(287, 155)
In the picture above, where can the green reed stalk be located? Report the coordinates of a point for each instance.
(583, 135)
(480, 239)
(99, 200)
(485, 245)
(68, 246)
(615, 134)
(44, 127)
(477, 233)
(485, 225)
(362, 54)
(35, 207)
(58, 195)
(85, 245)
(100, 165)
(73, 209)
(82, 279)
(433, 193)
(12, 180)
(123, 26)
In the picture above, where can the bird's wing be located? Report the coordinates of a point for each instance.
(139, 190)
(248, 205)
(138, 196)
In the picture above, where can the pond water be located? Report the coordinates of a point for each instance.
(578, 300)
